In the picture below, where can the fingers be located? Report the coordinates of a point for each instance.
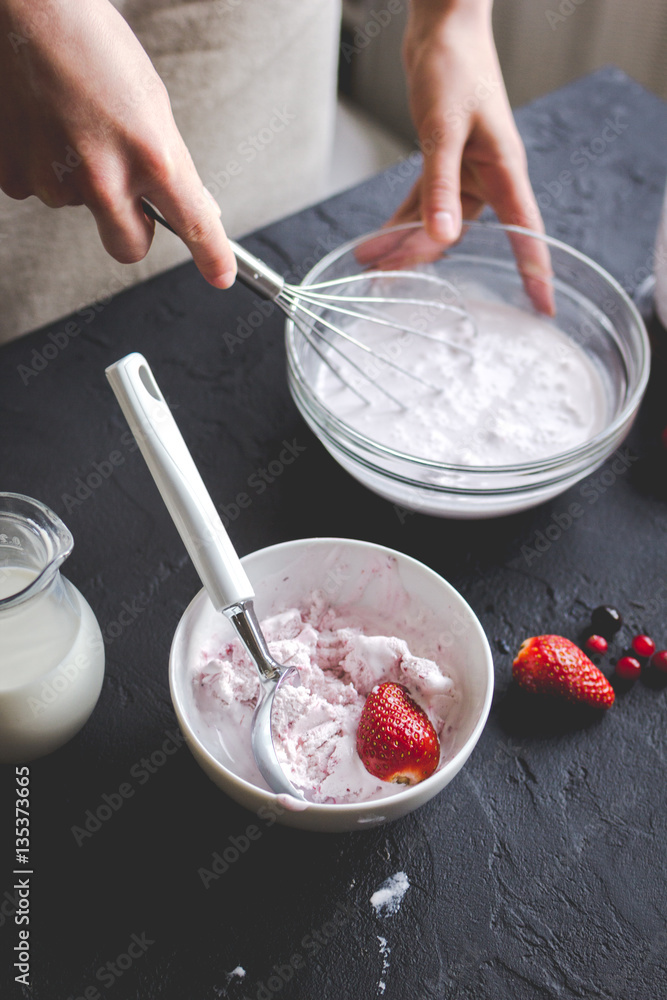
(193, 213)
(441, 182)
(85, 118)
(373, 253)
(410, 209)
(124, 230)
(179, 196)
(400, 250)
(515, 204)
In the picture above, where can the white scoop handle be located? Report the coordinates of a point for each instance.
(179, 482)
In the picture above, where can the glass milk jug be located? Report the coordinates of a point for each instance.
(660, 266)
(51, 647)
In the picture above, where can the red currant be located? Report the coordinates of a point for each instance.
(628, 668)
(659, 660)
(596, 644)
(643, 645)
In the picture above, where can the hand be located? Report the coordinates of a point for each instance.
(472, 151)
(86, 120)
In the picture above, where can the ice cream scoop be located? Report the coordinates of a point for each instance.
(206, 540)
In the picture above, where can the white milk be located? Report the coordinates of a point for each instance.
(51, 666)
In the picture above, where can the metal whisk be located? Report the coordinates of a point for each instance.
(309, 306)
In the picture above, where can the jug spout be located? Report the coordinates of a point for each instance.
(33, 539)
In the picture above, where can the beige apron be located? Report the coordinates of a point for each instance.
(252, 86)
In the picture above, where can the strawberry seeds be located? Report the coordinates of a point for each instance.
(395, 738)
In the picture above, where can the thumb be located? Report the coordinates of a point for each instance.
(441, 186)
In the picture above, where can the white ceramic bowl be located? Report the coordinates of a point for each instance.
(591, 309)
(346, 571)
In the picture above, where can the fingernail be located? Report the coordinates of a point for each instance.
(535, 270)
(444, 222)
(225, 280)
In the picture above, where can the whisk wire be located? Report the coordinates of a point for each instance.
(306, 332)
(361, 346)
(263, 280)
(313, 295)
(370, 314)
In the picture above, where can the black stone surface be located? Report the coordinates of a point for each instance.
(539, 872)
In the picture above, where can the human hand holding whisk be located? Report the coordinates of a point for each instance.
(68, 89)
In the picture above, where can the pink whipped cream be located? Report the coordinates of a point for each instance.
(315, 723)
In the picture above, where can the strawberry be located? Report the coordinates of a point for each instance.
(395, 738)
(550, 664)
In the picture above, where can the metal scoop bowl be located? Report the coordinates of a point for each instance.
(207, 542)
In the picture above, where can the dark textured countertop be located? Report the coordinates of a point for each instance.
(539, 872)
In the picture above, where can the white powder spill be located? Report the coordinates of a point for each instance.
(385, 951)
(239, 972)
(387, 899)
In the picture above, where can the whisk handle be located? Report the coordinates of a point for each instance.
(257, 275)
(251, 270)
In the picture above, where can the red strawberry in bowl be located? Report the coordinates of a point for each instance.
(395, 738)
(551, 664)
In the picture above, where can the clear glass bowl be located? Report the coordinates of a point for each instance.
(591, 309)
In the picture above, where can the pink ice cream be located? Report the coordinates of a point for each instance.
(315, 723)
